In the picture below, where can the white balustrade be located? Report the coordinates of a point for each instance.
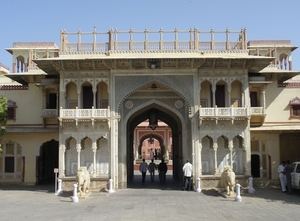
(84, 113)
(223, 112)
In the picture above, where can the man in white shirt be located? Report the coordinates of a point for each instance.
(143, 169)
(282, 177)
(187, 170)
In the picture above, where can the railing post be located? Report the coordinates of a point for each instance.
(191, 39)
(176, 39)
(79, 40)
(146, 39)
(130, 41)
(116, 39)
(110, 39)
(216, 111)
(251, 189)
(227, 40)
(196, 39)
(212, 43)
(231, 111)
(94, 40)
(160, 39)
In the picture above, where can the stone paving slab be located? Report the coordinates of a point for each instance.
(149, 201)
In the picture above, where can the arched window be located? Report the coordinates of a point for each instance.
(295, 107)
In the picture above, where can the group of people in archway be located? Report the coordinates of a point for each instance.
(156, 154)
(284, 170)
(162, 170)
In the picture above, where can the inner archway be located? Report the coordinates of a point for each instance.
(168, 117)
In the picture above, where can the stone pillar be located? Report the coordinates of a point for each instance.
(230, 147)
(61, 161)
(78, 100)
(200, 159)
(94, 148)
(94, 98)
(229, 95)
(78, 148)
(114, 151)
(263, 96)
(215, 146)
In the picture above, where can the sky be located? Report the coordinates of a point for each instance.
(42, 20)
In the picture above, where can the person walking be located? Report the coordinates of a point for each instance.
(143, 169)
(151, 154)
(162, 170)
(152, 167)
(282, 176)
(187, 170)
(288, 170)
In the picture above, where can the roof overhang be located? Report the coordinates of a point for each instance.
(53, 66)
(21, 77)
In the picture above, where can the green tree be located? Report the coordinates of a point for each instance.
(3, 116)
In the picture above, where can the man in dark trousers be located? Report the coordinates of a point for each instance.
(143, 169)
(187, 170)
(162, 170)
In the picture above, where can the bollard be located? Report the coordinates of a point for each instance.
(75, 197)
(198, 185)
(59, 190)
(251, 189)
(110, 186)
(238, 197)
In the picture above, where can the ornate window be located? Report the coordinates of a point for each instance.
(11, 110)
(295, 107)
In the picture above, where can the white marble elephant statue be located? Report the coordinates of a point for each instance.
(83, 179)
(228, 180)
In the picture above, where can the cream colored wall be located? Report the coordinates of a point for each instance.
(72, 92)
(205, 92)
(277, 103)
(29, 105)
(236, 91)
(30, 143)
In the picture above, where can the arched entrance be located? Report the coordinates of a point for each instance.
(172, 120)
(255, 165)
(47, 161)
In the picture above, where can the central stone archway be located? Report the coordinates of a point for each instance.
(169, 117)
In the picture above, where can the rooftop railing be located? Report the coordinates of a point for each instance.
(161, 40)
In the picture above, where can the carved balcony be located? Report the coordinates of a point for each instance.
(49, 113)
(257, 116)
(83, 115)
(224, 113)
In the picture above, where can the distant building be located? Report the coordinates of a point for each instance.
(100, 102)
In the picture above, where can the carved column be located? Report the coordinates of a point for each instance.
(78, 100)
(62, 166)
(94, 148)
(200, 158)
(94, 98)
(213, 88)
(230, 147)
(78, 148)
(263, 96)
(215, 146)
(229, 95)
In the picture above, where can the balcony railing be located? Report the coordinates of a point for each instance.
(49, 113)
(224, 112)
(148, 40)
(84, 114)
(257, 111)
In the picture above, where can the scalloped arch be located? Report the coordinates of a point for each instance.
(153, 82)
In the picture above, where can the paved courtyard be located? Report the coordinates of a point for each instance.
(149, 201)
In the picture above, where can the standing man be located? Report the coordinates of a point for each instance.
(162, 170)
(143, 170)
(187, 170)
(152, 167)
(288, 170)
(282, 177)
(151, 154)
